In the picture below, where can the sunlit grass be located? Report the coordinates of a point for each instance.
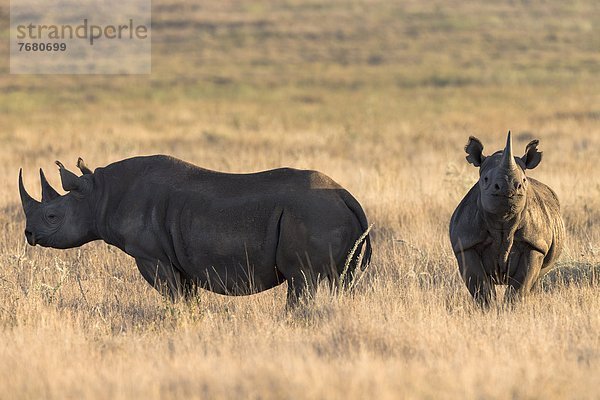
(381, 96)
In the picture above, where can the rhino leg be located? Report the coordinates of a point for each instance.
(522, 280)
(302, 257)
(300, 289)
(478, 282)
(301, 278)
(163, 277)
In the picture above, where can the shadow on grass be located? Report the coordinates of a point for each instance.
(571, 274)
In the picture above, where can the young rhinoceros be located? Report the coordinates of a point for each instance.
(507, 229)
(189, 227)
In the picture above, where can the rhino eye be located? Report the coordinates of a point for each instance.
(51, 217)
(485, 179)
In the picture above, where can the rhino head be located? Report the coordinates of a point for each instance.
(503, 183)
(60, 221)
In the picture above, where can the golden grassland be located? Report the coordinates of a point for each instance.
(380, 96)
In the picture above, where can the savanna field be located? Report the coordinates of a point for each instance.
(381, 96)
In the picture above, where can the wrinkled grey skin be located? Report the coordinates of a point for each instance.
(508, 228)
(189, 227)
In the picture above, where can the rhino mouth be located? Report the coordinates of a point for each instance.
(508, 196)
(30, 238)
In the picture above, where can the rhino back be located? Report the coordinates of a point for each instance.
(177, 175)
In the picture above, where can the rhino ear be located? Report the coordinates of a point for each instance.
(474, 149)
(72, 182)
(69, 180)
(82, 167)
(532, 156)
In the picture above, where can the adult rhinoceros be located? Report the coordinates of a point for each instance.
(507, 229)
(189, 227)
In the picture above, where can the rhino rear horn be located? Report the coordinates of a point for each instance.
(27, 201)
(83, 167)
(48, 192)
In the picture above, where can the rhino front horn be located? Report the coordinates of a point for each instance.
(27, 201)
(508, 159)
(48, 192)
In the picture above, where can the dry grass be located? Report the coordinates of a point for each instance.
(381, 97)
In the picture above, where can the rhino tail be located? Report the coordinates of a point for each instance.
(365, 238)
